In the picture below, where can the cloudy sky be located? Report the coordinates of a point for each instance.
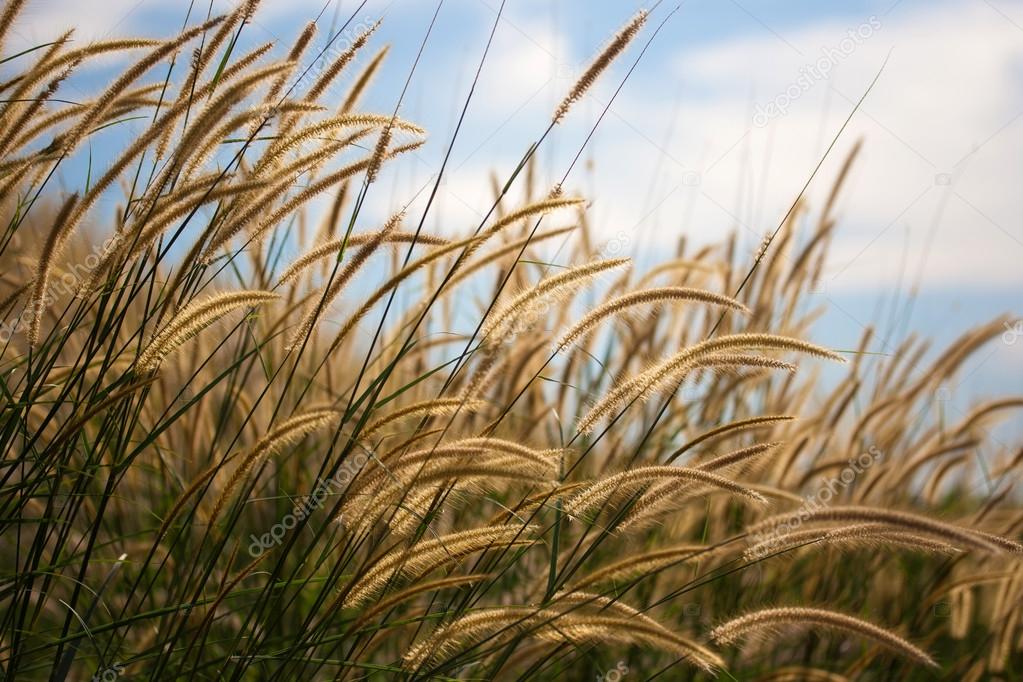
(718, 128)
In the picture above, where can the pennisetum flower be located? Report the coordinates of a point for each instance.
(773, 618)
(192, 319)
(608, 55)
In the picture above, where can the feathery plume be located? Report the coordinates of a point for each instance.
(315, 308)
(301, 43)
(214, 111)
(539, 208)
(628, 631)
(555, 624)
(717, 432)
(657, 296)
(327, 126)
(736, 628)
(363, 80)
(320, 186)
(192, 319)
(505, 250)
(155, 130)
(13, 7)
(47, 67)
(675, 368)
(160, 221)
(426, 408)
(872, 534)
(428, 555)
(123, 246)
(737, 456)
(603, 490)
(419, 588)
(51, 250)
(30, 111)
(680, 364)
(646, 563)
(130, 76)
(260, 206)
(289, 432)
(378, 154)
(952, 534)
(499, 322)
(255, 208)
(429, 257)
(337, 66)
(447, 639)
(257, 114)
(459, 465)
(610, 53)
(580, 602)
(204, 55)
(333, 246)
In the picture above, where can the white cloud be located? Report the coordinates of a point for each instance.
(944, 110)
(938, 159)
(678, 153)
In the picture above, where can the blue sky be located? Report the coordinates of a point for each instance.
(718, 128)
(940, 129)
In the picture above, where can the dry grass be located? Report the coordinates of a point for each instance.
(189, 493)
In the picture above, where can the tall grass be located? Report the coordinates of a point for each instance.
(203, 479)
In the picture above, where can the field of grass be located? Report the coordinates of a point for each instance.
(224, 461)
